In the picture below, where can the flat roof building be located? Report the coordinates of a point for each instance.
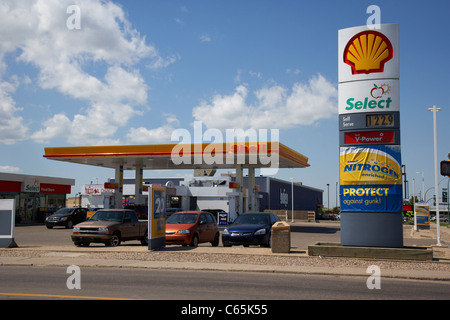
(35, 195)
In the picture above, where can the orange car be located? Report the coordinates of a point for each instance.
(192, 228)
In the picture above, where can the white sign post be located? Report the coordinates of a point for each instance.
(7, 220)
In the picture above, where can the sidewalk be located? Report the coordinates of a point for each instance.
(234, 259)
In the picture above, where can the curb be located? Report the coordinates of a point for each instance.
(64, 261)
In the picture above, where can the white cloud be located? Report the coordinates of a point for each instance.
(205, 38)
(162, 134)
(9, 169)
(275, 107)
(37, 32)
(12, 126)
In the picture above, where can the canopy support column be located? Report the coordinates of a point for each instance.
(119, 190)
(251, 190)
(138, 199)
(240, 180)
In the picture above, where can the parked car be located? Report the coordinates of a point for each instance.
(250, 229)
(192, 228)
(441, 219)
(66, 217)
(111, 227)
(171, 211)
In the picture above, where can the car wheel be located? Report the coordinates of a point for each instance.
(69, 224)
(144, 240)
(49, 227)
(267, 244)
(194, 242)
(215, 242)
(114, 241)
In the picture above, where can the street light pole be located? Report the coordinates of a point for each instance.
(423, 186)
(414, 204)
(292, 196)
(328, 204)
(438, 226)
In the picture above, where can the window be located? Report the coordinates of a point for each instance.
(203, 219)
(211, 218)
(130, 216)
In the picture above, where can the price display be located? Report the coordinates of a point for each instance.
(379, 120)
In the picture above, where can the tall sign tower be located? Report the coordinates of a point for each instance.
(369, 137)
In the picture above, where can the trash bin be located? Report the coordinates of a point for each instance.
(281, 237)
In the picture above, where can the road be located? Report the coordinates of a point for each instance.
(51, 283)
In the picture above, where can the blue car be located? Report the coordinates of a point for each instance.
(250, 229)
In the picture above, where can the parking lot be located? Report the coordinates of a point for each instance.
(302, 235)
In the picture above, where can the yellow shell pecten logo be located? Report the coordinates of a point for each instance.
(367, 52)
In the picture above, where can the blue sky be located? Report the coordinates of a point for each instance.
(137, 70)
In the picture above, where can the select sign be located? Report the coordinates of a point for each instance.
(369, 96)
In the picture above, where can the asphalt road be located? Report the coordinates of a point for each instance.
(51, 283)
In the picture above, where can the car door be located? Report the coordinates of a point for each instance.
(77, 216)
(129, 226)
(202, 228)
(212, 226)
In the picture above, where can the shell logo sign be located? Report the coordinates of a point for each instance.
(367, 52)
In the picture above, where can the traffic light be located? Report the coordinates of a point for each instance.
(445, 168)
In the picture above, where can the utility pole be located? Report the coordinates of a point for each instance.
(438, 226)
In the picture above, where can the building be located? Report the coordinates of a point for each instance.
(202, 193)
(35, 196)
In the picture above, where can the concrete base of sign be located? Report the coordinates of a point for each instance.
(372, 229)
(336, 250)
(8, 243)
(156, 243)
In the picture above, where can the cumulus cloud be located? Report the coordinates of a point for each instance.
(12, 126)
(161, 134)
(276, 107)
(9, 169)
(36, 30)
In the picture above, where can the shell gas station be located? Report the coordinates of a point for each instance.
(238, 156)
(241, 192)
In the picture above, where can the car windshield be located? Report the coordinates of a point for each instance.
(107, 216)
(188, 218)
(64, 211)
(252, 219)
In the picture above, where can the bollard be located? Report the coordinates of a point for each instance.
(281, 237)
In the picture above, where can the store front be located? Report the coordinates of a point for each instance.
(36, 196)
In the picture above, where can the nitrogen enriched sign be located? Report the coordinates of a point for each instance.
(370, 165)
(371, 179)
